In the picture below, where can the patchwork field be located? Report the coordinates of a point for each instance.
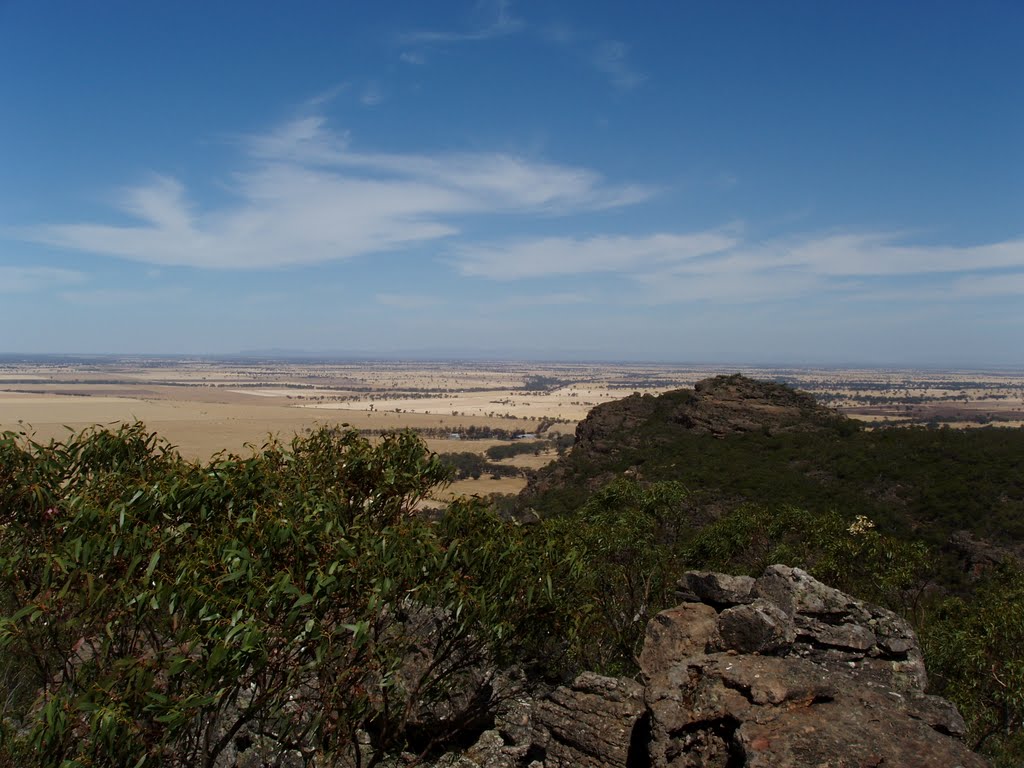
(205, 406)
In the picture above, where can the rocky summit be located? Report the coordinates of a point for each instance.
(771, 672)
(718, 406)
(639, 427)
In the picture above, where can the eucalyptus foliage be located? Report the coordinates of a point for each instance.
(628, 535)
(154, 609)
(850, 554)
(975, 649)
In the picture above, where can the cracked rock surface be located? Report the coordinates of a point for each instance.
(773, 672)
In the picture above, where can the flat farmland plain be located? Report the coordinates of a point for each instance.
(205, 406)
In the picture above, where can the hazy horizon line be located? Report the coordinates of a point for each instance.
(293, 356)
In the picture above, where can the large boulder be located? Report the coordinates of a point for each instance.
(792, 673)
(782, 671)
(591, 723)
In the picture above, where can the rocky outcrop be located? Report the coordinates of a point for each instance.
(776, 671)
(791, 673)
(715, 407)
(590, 723)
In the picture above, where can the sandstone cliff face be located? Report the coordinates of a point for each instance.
(773, 672)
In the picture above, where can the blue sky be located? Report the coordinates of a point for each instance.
(790, 182)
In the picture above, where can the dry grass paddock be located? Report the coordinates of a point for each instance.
(205, 406)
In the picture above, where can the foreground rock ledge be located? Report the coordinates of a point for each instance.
(777, 671)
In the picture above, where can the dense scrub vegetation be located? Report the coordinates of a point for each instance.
(151, 609)
(975, 649)
(916, 481)
(470, 465)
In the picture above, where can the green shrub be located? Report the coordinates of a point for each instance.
(151, 609)
(627, 536)
(975, 653)
(847, 553)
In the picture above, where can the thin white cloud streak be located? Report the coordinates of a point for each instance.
(499, 22)
(546, 300)
(612, 59)
(883, 255)
(327, 96)
(719, 266)
(309, 199)
(30, 279)
(489, 181)
(859, 267)
(372, 95)
(408, 300)
(552, 256)
(990, 285)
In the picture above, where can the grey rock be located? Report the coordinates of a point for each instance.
(796, 591)
(853, 637)
(940, 714)
(676, 634)
(590, 723)
(784, 671)
(758, 627)
(844, 686)
(715, 588)
(490, 751)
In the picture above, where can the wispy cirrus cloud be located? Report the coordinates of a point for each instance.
(327, 95)
(857, 258)
(415, 58)
(492, 18)
(413, 301)
(858, 266)
(611, 57)
(306, 196)
(885, 254)
(720, 265)
(372, 94)
(546, 257)
(19, 279)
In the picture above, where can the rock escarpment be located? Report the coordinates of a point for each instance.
(716, 407)
(776, 671)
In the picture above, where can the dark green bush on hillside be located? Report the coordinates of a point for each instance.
(507, 451)
(975, 650)
(152, 609)
(847, 553)
(627, 536)
(911, 481)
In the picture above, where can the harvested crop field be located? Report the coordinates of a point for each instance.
(204, 406)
